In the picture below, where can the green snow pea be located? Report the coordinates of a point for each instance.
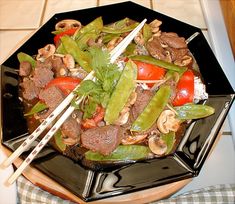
(169, 139)
(121, 93)
(194, 111)
(96, 24)
(160, 63)
(113, 30)
(25, 57)
(82, 41)
(61, 50)
(147, 33)
(81, 57)
(152, 111)
(109, 36)
(123, 152)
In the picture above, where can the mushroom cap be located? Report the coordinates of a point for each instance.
(167, 122)
(157, 145)
(68, 24)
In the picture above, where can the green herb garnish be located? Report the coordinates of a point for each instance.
(98, 91)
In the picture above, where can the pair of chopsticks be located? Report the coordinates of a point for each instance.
(114, 54)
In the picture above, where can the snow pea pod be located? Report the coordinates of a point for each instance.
(121, 93)
(107, 29)
(25, 57)
(194, 111)
(82, 42)
(169, 139)
(123, 152)
(147, 33)
(160, 63)
(96, 24)
(81, 57)
(152, 111)
(60, 49)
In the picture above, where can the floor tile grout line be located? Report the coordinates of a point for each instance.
(43, 13)
(151, 4)
(18, 29)
(227, 133)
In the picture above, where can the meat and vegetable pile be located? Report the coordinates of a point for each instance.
(136, 108)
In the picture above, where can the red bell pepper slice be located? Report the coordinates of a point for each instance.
(96, 118)
(65, 84)
(69, 32)
(184, 89)
(149, 72)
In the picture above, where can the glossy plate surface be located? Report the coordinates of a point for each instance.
(88, 184)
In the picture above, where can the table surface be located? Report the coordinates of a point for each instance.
(17, 23)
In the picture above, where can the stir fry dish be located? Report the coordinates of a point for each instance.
(138, 107)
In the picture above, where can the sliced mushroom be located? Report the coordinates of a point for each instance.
(157, 145)
(69, 140)
(154, 25)
(68, 61)
(139, 39)
(112, 44)
(46, 52)
(167, 122)
(184, 61)
(133, 139)
(123, 116)
(68, 24)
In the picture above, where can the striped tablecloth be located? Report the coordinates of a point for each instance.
(219, 194)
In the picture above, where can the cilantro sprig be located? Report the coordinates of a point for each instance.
(98, 92)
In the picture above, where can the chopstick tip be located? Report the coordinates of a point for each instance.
(3, 165)
(7, 183)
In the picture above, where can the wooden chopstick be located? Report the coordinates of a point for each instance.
(114, 55)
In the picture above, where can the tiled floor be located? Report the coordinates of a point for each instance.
(19, 19)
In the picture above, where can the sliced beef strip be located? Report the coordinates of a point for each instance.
(42, 76)
(143, 98)
(52, 96)
(30, 90)
(173, 40)
(25, 68)
(177, 53)
(46, 64)
(154, 47)
(103, 139)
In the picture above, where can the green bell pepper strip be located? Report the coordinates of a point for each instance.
(81, 57)
(160, 63)
(125, 86)
(169, 139)
(122, 152)
(107, 29)
(25, 57)
(152, 111)
(38, 107)
(96, 24)
(194, 111)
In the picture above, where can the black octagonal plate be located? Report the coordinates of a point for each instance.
(191, 152)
